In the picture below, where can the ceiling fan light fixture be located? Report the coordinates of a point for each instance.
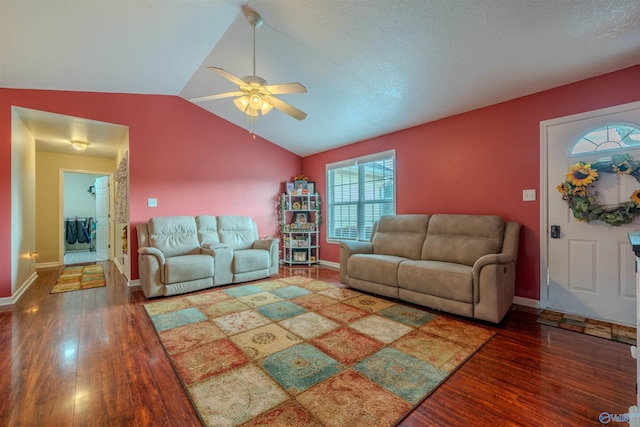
(254, 96)
(79, 145)
(255, 101)
(266, 107)
(242, 103)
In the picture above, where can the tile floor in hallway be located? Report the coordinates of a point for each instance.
(77, 257)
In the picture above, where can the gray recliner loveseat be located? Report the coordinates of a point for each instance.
(178, 254)
(462, 264)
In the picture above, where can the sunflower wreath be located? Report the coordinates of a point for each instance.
(578, 191)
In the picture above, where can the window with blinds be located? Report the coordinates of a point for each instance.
(359, 192)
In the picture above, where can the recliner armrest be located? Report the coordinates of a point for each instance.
(265, 244)
(352, 248)
(222, 259)
(211, 248)
(152, 251)
(493, 286)
(492, 259)
(151, 263)
(270, 245)
(348, 248)
(488, 260)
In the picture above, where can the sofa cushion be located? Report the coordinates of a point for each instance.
(462, 239)
(207, 230)
(245, 260)
(187, 267)
(174, 235)
(401, 235)
(440, 279)
(375, 268)
(237, 232)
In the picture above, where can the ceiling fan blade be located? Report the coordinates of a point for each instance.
(286, 88)
(228, 76)
(217, 96)
(286, 108)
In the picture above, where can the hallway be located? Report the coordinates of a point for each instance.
(79, 257)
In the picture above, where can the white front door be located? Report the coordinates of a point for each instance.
(591, 268)
(102, 217)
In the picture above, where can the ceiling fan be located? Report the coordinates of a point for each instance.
(255, 95)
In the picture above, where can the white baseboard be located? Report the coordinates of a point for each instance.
(46, 265)
(330, 264)
(133, 283)
(320, 262)
(527, 302)
(16, 297)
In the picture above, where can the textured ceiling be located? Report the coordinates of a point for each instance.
(370, 66)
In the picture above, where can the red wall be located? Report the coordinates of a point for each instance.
(194, 162)
(479, 162)
(190, 160)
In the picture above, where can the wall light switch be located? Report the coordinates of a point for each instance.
(529, 195)
(152, 203)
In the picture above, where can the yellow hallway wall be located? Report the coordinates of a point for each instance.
(48, 220)
(23, 200)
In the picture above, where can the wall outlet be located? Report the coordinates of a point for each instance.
(528, 195)
(152, 203)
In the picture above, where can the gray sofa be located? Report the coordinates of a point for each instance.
(178, 254)
(461, 264)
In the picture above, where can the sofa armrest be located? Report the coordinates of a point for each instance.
(348, 248)
(222, 259)
(352, 248)
(150, 268)
(492, 259)
(489, 260)
(264, 244)
(271, 245)
(154, 252)
(210, 249)
(493, 286)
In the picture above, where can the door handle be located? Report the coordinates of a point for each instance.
(555, 231)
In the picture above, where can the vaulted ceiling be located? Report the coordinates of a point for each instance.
(371, 67)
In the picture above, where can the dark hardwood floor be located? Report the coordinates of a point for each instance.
(92, 358)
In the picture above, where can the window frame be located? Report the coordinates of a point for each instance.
(361, 162)
(587, 136)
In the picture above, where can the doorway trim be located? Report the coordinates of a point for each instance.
(544, 180)
(61, 173)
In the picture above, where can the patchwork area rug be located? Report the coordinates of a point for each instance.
(596, 328)
(75, 278)
(301, 352)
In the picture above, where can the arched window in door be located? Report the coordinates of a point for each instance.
(612, 136)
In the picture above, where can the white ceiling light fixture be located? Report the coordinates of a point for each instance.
(255, 96)
(79, 145)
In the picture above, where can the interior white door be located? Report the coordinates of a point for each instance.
(102, 217)
(591, 266)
